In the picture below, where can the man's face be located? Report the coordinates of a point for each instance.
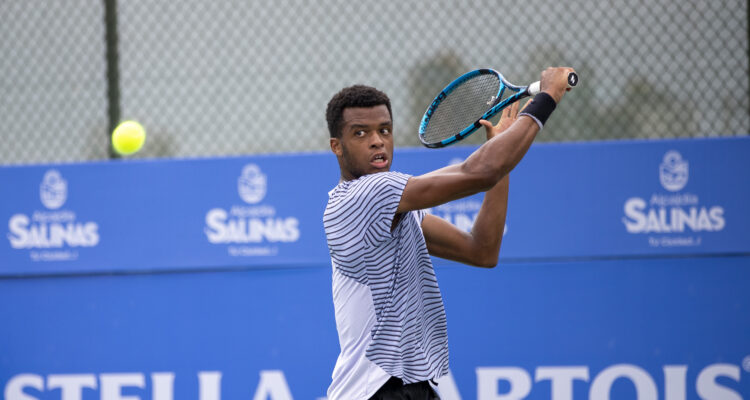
(366, 142)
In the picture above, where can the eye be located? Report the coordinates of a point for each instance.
(385, 131)
(360, 133)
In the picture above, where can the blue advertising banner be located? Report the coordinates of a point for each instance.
(578, 200)
(165, 215)
(623, 275)
(567, 201)
(667, 328)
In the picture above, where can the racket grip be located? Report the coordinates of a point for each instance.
(536, 87)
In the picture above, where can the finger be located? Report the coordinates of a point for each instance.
(513, 112)
(488, 128)
(506, 113)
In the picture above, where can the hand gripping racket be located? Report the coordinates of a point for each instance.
(475, 95)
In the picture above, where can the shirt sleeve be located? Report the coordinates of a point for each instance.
(379, 197)
(420, 215)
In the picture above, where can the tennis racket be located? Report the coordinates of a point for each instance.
(475, 95)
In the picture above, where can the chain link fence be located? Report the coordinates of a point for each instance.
(53, 99)
(217, 78)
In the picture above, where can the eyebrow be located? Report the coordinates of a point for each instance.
(359, 126)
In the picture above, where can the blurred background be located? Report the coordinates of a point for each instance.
(217, 78)
(156, 279)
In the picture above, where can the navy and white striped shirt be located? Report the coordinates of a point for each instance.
(389, 310)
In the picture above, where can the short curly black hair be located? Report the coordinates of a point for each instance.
(353, 96)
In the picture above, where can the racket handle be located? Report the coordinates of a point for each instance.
(536, 87)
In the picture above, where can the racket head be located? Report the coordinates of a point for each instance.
(456, 111)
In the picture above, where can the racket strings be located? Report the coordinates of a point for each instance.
(462, 107)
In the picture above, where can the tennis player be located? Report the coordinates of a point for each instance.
(389, 311)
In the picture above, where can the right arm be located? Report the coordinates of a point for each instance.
(478, 173)
(488, 164)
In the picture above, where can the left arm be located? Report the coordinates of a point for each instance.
(481, 246)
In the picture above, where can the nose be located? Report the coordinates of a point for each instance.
(376, 141)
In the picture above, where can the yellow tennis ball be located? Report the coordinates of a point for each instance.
(128, 137)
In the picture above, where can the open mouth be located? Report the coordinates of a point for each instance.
(379, 160)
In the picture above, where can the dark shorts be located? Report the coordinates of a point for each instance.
(395, 389)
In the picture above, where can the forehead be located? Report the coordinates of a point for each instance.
(377, 115)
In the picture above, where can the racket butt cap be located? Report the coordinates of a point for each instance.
(572, 79)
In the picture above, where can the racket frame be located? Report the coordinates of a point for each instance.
(497, 106)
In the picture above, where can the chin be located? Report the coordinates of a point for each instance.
(378, 170)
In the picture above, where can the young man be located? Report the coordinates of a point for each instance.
(389, 311)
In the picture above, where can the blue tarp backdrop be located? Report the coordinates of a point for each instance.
(624, 274)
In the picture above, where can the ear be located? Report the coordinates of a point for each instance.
(336, 147)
